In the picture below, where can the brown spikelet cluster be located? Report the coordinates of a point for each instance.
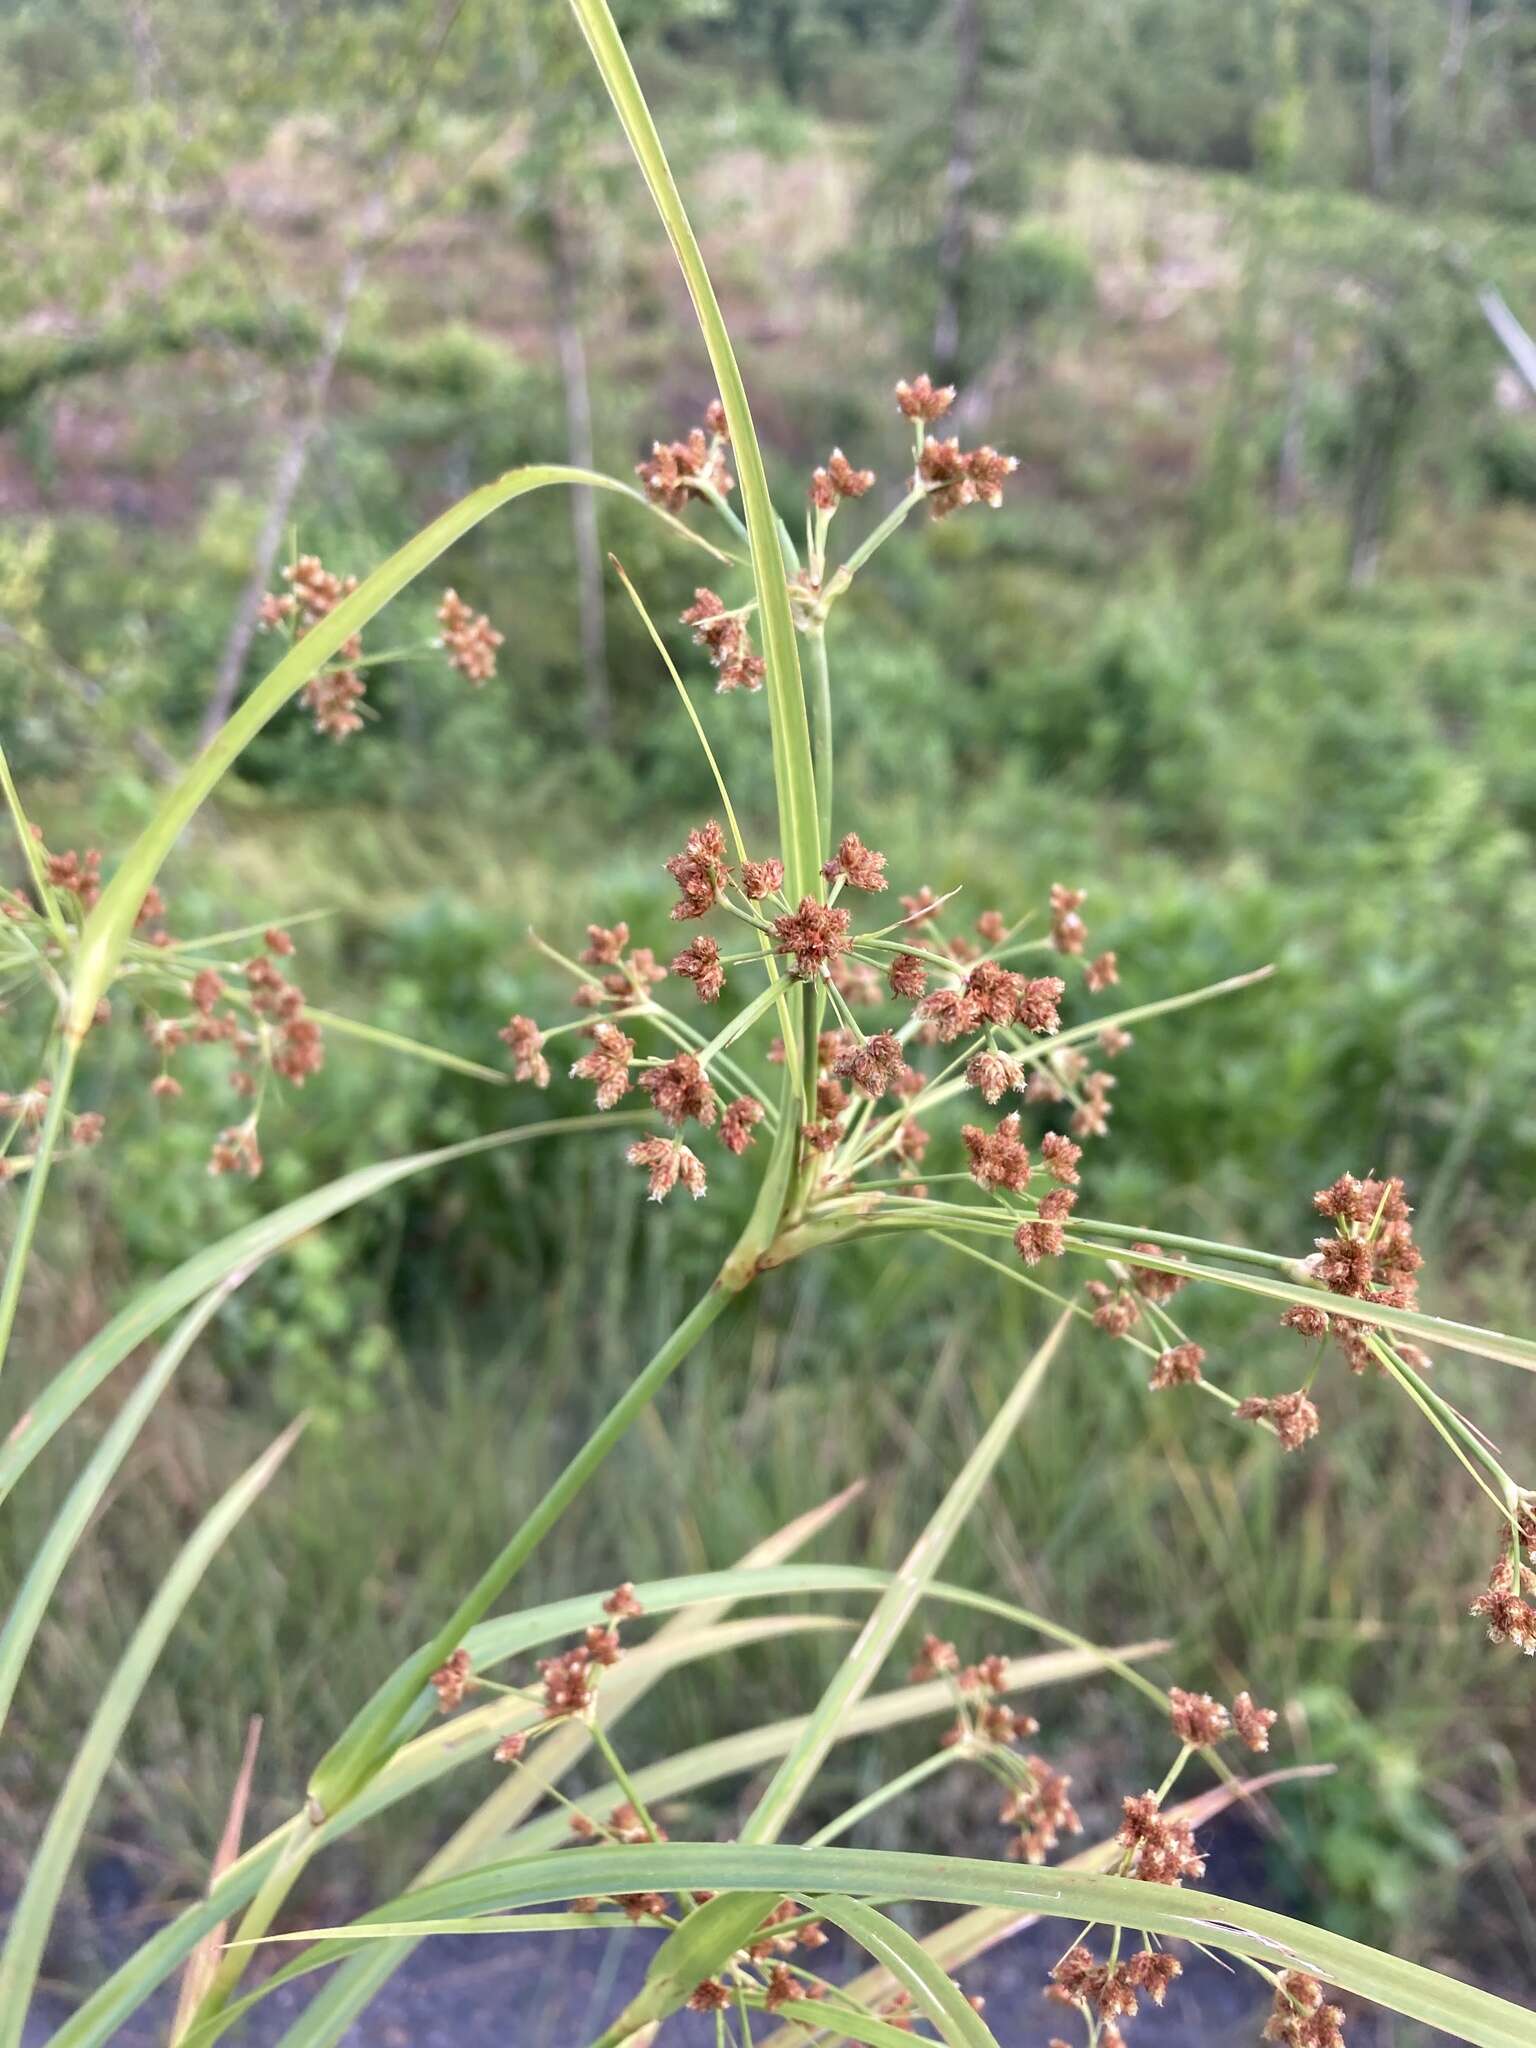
(955, 477)
(1108, 1992)
(1160, 1847)
(1372, 1255)
(468, 638)
(679, 1090)
(235, 1150)
(738, 1121)
(837, 481)
(451, 1680)
(1197, 1718)
(1300, 2018)
(313, 592)
(1510, 1618)
(1178, 1366)
(1293, 1417)
(1068, 932)
(78, 874)
(668, 1161)
(1041, 1812)
(700, 871)
(606, 1065)
(873, 1066)
(524, 1041)
(856, 865)
(998, 1159)
(724, 636)
(699, 962)
(812, 936)
(673, 470)
(570, 1679)
(1150, 1282)
(761, 878)
(922, 399)
(993, 1073)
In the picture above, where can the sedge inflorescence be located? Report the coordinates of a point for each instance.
(224, 995)
(917, 1008)
(336, 697)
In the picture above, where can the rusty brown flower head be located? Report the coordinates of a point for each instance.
(760, 878)
(451, 1680)
(1179, 1366)
(1162, 1845)
(725, 636)
(524, 1039)
(469, 639)
(873, 1066)
(933, 1659)
(998, 1159)
(1101, 973)
(812, 935)
(674, 469)
(1292, 1416)
(1042, 1813)
(1068, 932)
(668, 1161)
(1253, 1723)
(607, 1064)
(1197, 1718)
(922, 399)
(680, 1089)
(993, 1074)
(699, 962)
(859, 866)
(700, 871)
(738, 1120)
(1510, 1619)
(838, 480)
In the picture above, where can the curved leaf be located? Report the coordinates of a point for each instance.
(1460, 2010)
(241, 1250)
(107, 929)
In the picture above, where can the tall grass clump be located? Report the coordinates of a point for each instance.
(806, 1049)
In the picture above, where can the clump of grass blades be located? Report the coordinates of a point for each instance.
(839, 1129)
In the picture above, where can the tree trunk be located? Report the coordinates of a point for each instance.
(1288, 470)
(954, 249)
(1380, 105)
(288, 476)
(572, 350)
(1386, 400)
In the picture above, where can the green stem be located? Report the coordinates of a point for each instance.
(368, 1742)
(365, 1746)
(821, 721)
(30, 853)
(37, 1182)
(928, 1768)
(882, 533)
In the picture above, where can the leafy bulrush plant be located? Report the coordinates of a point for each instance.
(820, 1080)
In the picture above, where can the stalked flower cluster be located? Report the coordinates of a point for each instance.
(334, 698)
(1202, 1722)
(837, 481)
(184, 995)
(724, 636)
(1107, 1992)
(675, 470)
(1301, 2017)
(954, 476)
(469, 639)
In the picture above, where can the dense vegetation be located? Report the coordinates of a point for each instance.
(1247, 654)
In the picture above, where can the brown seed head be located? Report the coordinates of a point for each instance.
(525, 1039)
